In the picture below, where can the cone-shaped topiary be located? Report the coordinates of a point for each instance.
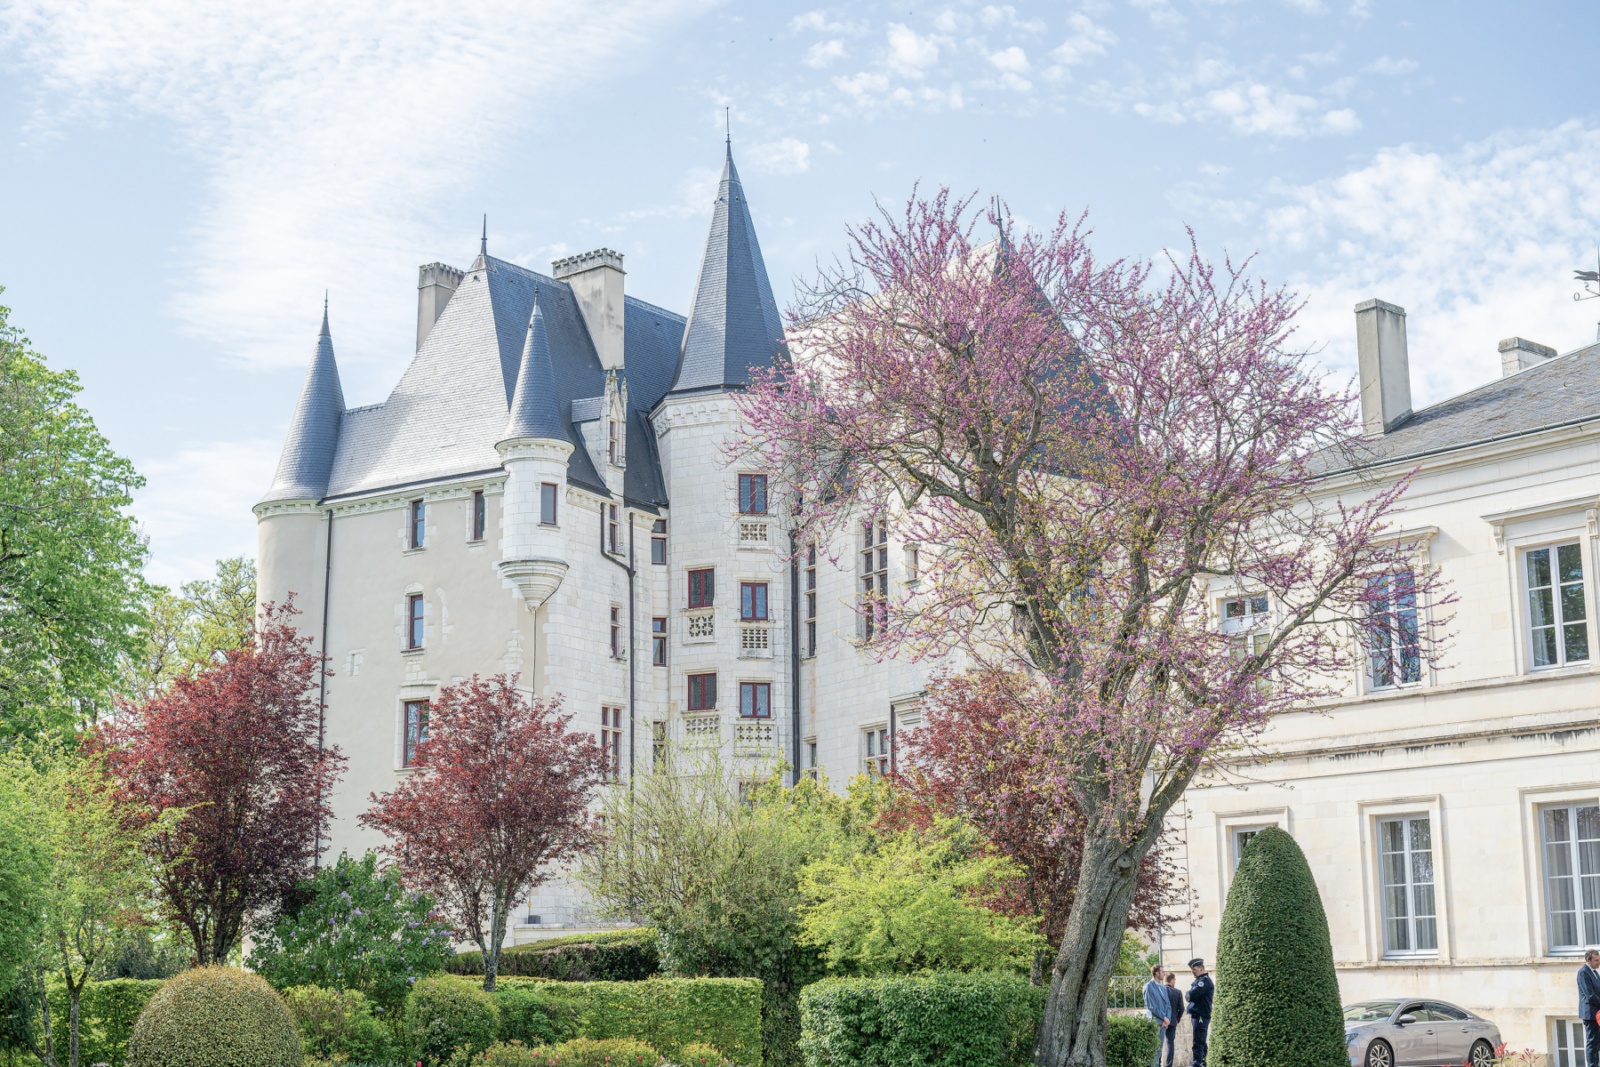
(1277, 994)
(215, 1017)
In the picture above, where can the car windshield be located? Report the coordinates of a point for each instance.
(1370, 1011)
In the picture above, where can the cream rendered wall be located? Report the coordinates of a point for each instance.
(1478, 746)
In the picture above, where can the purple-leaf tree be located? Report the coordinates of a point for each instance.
(1093, 459)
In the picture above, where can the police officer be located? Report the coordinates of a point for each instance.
(1201, 990)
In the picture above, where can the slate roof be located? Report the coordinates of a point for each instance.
(533, 406)
(454, 402)
(733, 325)
(308, 451)
(1554, 393)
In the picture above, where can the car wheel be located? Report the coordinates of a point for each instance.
(1379, 1054)
(1482, 1055)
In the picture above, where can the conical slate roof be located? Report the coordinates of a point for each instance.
(734, 326)
(535, 411)
(307, 458)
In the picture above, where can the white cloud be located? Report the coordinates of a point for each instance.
(1087, 41)
(910, 52)
(317, 127)
(787, 156)
(1343, 120)
(822, 53)
(1392, 67)
(1477, 245)
(1258, 109)
(185, 495)
(1011, 60)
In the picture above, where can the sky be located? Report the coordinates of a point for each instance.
(183, 181)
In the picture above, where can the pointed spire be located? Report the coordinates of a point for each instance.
(533, 407)
(734, 326)
(307, 460)
(482, 261)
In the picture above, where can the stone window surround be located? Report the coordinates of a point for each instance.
(1243, 819)
(1372, 813)
(1531, 799)
(406, 693)
(1421, 542)
(1535, 526)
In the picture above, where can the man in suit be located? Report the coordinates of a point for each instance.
(1177, 1017)
(1588, 1004)
(1201, 990)
(1159, 1005)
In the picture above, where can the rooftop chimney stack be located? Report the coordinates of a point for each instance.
(436, 284)
(596, 281)
(1519, 353)
(1385, 371)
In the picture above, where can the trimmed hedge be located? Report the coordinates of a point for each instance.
(1131, 1040)
(106, 1013)
(941, 1019)
(1273, 926)
(445, 1015)
(534, 1015)
(666, 1013)
(215, 1017)
(607, 956)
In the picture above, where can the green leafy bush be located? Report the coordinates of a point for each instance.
(612, 1052)
(696, 1054)
(215, 1017)
(107, 1012)
(1273, 925)
(515, 1054)
(354, 927)
(445, 1014)
(940, 1019)
(535, 1016)
(338, 1023)
(1131, 1040)
(608, 956)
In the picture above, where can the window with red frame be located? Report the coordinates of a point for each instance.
(752, 494)
(755, 700)
(658, 641)
(414, 620)
(419, 523)
(611, 740)
(702, 585)
(547, 504)
(753, 601)
(702, 692)
(416, 731)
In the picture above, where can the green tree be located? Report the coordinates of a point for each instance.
(71, 593)
(1274, 930)
(906, 902)
(188, 629)
(354, 928)
(94, 879)
(714, 864)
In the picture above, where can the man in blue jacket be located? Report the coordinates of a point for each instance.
(1159, 1006)
(1588, 1004)
(1200, 994)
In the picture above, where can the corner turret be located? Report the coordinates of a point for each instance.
(307, 459)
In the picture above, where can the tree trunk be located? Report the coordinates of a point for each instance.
(48, 1054)
(491, 951)
(74, 993)
(1073, 1030)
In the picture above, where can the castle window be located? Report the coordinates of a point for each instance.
(611, 740)
(755, 700)
(753, 601)
(874, 578)
(479, 515)
(701, 586)
(878, 745)
(612, 429)
(702, 692)
(613, 526)
(1395, 654)
(416, 732)
(752, 494)
(811, 601)
(658, 542)
(658, 745)
(547, 504)
(1558, 625)
(811, 760)
(658, 642)
(616, 633)
(419, 530)
(414, 617)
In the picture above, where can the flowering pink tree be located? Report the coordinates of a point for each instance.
(1091, 458)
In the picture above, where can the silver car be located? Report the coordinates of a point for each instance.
(1418, 1033)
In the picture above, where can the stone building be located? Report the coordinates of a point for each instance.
(1451, 814)
(546, 493)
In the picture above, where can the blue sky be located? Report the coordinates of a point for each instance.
(182, 181)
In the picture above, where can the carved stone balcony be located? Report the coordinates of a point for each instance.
(755, 738)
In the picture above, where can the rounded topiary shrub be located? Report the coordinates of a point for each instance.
(446, 1015)
(215, 1017)
(1277, 1001)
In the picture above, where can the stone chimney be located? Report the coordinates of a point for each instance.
(1519, 353)
(436, 284)
(596, 280)
(1385, 372)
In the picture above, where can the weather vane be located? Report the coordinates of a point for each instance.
(1591, 285)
